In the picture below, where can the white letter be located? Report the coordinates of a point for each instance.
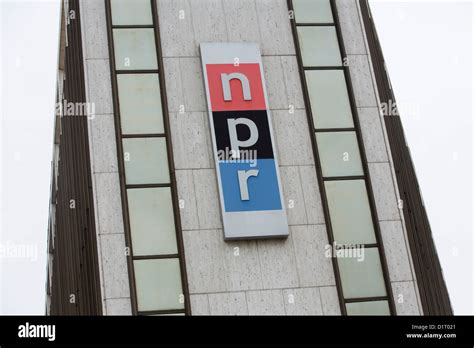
(52, 333)
(21, 331)
(235, 143)
(225, 80)
(244, 176)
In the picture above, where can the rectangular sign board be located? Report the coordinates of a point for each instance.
(246, 160)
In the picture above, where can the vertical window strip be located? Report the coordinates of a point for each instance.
(148, 188)
(329, 137)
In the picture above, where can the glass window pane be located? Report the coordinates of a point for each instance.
(319, 46)
(152, 221)
(131, 12)
(158, 284)
(146, 161)
(167, 314)
(349, 211)
(312, 11)
(135, 49)
(368, 308)
(361, 276)
(329, 99)
(339, 154)
(140, 103)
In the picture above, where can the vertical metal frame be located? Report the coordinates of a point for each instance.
(363, 157)
(121, 163)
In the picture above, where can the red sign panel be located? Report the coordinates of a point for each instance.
(237, 87)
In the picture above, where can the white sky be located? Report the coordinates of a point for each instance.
(428, 49)
(427, 46)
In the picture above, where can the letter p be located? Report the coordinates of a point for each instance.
(235, 142)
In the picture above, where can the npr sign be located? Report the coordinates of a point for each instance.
(246, 163)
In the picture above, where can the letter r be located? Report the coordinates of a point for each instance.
(244, 176)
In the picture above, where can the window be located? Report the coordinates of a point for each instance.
(350, 221)
(349, 211)
(313, 11)
(158, 284)
(328, 98)
(146, 161)
(152, 226)
(368, 308)
(131, 12)
(152, 221)
(140, 103)
(339, 154)
(135, 49)
(362, 277)
(319, 46)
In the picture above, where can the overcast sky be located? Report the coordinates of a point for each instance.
(428, 49)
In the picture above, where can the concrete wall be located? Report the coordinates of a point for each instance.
(400, 265)
(246, 277)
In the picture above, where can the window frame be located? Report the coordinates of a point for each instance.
(363, 157)
(121, 166)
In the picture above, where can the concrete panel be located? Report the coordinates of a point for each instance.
(306, 301)
(314, 268)
(184, 84)
(242, 265)
(405, 298)
(118, 306)
(292, 138)
(372, 134)
(231, 303)
(291, 77)
(94, 29)
(266, 302)
(395, 250)
(176, 28)
(192, 84)
(330, 300)
(241, 20)
(361, 80)
(208, 22)
(199, 305)
(350, 26)
(191, 140)
(274, 80)
(174, 89)
(109, 203)
(187, 198)
(207, 199)
(278, 264)
(312, 195)
(293, 195)
(275, 29)
(104, 148)
(384, 192)
(205, 261)
(99, 89)
(114, 263)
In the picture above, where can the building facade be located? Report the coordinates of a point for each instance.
(147, 219)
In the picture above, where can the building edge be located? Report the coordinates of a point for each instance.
(73, 286)
(429, 275)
